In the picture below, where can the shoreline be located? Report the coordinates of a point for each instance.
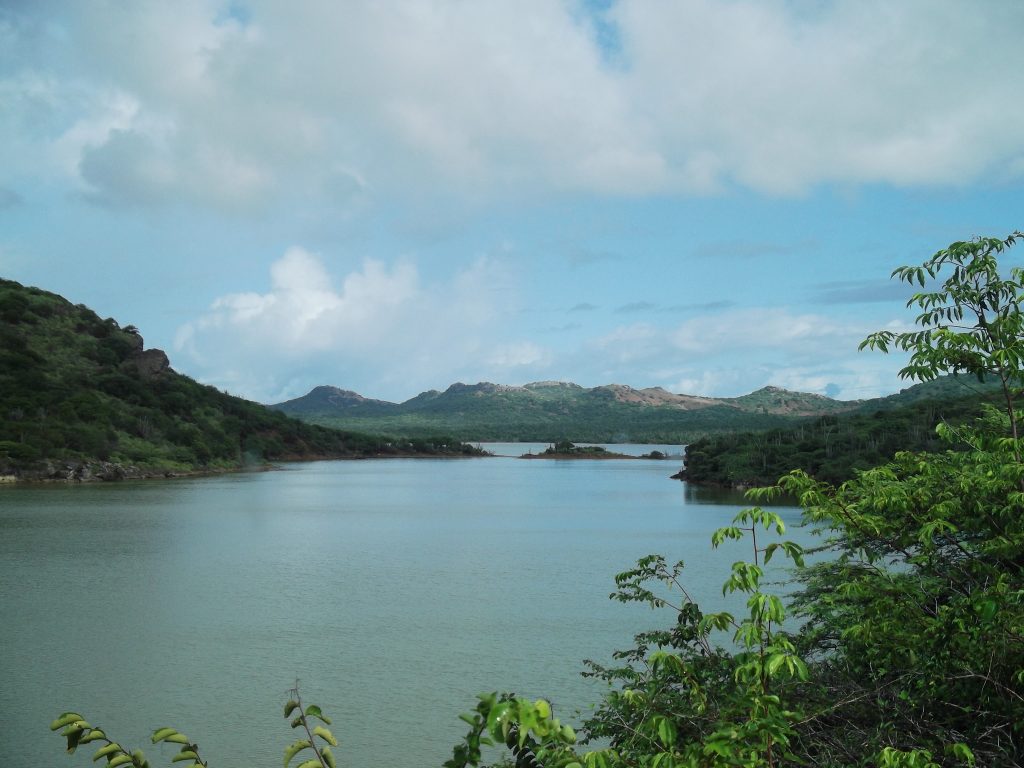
(579, 456)
(77, 472)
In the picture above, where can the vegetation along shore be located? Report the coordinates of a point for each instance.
(83, 399)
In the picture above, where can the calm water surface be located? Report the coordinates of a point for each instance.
(396, 590)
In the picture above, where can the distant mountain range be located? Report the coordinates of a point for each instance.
(553, 410)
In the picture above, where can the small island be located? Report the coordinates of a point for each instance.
(564, 449)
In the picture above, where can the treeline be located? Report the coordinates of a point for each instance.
(75, 387)
(507, 420)
(831, 448)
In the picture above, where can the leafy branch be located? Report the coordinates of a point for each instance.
(74, 728)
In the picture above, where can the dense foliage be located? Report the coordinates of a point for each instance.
(78, 388)
(910, 650)
(834, 447)
(567, 449)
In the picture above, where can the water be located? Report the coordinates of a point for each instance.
(396, 590)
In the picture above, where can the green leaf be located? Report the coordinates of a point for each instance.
(543, 709)
(987, 609)
(121, 759)
(185, 754)
(162, 733)
(326, 735)
(314, 711)
(666, 731)
(66, 719)
(73, 737)
(314, 763)
(497, 718)
(290, 707)
(107, 750)
(293, 749)
(328, 757)
(962, 752)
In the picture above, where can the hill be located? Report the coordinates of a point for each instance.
(551, 410)
(80, 396)
(835, 446)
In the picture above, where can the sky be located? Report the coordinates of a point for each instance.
(389, 197)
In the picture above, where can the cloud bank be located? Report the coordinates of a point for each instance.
(382, 329)
(386, 332)
(236, 104)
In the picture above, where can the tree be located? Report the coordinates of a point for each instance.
(973, 324)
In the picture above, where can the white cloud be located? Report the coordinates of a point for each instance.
(734, 352)
(707, 381)
(627, 344)
(840, 376)
(384, 331)
(489, 98)
(524, 353)
(757, 328)
(858, 378)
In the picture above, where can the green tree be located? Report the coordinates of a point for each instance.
(973, 324)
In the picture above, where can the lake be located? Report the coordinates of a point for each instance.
(395, 590)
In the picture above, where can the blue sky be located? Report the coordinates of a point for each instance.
(390, 197)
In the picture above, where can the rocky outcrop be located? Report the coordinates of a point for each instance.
(552, 385)
(137, 342)
(657, 396)
(81, 472)
(482, 388)
(151, 363)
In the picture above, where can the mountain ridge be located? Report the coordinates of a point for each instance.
(554, 410)
(622, 392)
(547, 410)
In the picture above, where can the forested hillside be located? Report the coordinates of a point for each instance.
(832, 447)
(80, 395)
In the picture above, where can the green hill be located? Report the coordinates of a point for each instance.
(834, 446)
(548, 411)
(80, 396)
